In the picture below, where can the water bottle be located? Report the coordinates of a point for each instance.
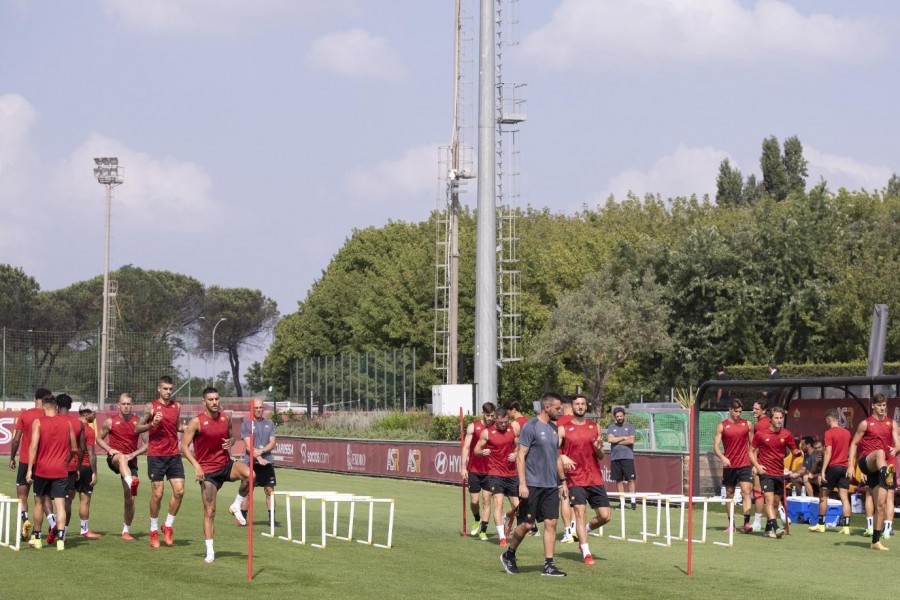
(722, 493)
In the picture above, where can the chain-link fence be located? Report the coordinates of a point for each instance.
(69, 362)
(384, 379)
(668, 428)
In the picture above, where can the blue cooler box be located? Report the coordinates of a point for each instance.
(800, 509)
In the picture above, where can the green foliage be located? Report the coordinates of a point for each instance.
(729, 185)
(774, 174)
(447, 428)
(791, 370)
(18, 292)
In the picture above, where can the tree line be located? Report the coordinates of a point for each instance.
(637, 293)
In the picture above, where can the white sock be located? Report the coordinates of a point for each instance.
(757, 518)
(889, 526)
(209, 549)
(51, 520)
(154, 524)
(585, 550)
(170, 520)
(84, 526)
(64, 532)
(128, 479)
(869, 522)
(126, 528)
(238, 501)
(572, 526)
(501, 532)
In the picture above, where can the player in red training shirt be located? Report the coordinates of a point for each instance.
(515, 412)
(53, 445)
(834, 472)
(499, 444)
(734, 436)
(88, 478)
(120, 439)
(565, 417)
(162, 419)
(761, 415)
(21, 442)
(474, 471)
(581, 450)
(210, 433)
(878, 439)
(767, 453)
(64, 407)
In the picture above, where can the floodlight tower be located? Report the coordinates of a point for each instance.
(109, 174)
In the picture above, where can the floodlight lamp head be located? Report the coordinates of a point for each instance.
(97, 160)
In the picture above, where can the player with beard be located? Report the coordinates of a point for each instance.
(498, 443)
(621, 436)
(761, 416)
(21, 442)
(767, 453)
(734, 435)
(474, 470)
(581, 450)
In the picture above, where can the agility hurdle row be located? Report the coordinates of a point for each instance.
(9, 511)
(332, 500)
(663, 504)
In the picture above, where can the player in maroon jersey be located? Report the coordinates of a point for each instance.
(52, 446)
(210, 433)
(767, 453)
(123, 444)
(878, 439)
(761, 415)
(474, 471)
(734, 436)
(581, 450)
(515, 412)
(834, 472)
(21, 442)
(499, 444)
(64, 406)
(565, 417)
(162, 419)
(88, 478)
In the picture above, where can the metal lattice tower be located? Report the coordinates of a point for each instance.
(454, 168)
(510, 114)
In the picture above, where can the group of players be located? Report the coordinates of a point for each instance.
(57, 457)
(538, 464)
(753, 459)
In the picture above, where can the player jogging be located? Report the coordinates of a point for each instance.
(734, 434)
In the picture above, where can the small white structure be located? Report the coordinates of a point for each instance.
(446, 400)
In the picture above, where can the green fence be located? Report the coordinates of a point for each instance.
(667, 429)
(69, 362)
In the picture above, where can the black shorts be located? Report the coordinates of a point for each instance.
(594, 495)
(508, 486)
(732, 477)
(162, 467)
(623, 470)
(72, 482)
(477, 482)
(836, 478)
(769, 484)
(20, 474)
(132, 464)
(263, 475)
(54, 488)
(217, 478)
(541, 504)
(83, 486)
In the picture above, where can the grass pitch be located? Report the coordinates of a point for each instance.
(429, 558)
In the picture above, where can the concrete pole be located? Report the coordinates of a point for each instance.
(486, 252)
(104, 333)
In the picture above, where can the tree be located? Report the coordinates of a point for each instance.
(610, 319)
(795, 166)
(774, 174)
(256, 379)
(893, 187)
(248, 315)
(18, 292)
(729, 185)
(750, 193)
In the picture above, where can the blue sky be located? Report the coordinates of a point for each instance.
(256, 135)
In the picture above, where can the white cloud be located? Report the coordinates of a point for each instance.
(843, 171)
(356, 53)
(614, 33)
(684, 172)
(221, 16)
(164, 191)
(19, 168)
(412, 176)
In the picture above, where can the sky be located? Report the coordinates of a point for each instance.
(255, 136)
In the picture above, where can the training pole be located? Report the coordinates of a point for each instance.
(690, 537)
(462, 441)
(251, 461)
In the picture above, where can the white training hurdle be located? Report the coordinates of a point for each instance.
(9, 513)
(334, 499)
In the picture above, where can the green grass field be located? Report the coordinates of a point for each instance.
(429, 557)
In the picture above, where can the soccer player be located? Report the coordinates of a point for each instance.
(565, 417)
(263, 468)
(474, 471)
(834, 472)
(515, 412)
(761, 415)
(210, 434)
(21, 442)
(119, 438)
(498, 443)
(767, 452)
(581, 450)
(621, 437)
(162, 419)
(64, 406)
(877, 438)
(52, 446)
(541, 484)
(734, 435)
(88, 477)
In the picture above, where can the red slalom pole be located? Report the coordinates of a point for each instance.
(250, 501)
(690, 540)
(462, 441)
